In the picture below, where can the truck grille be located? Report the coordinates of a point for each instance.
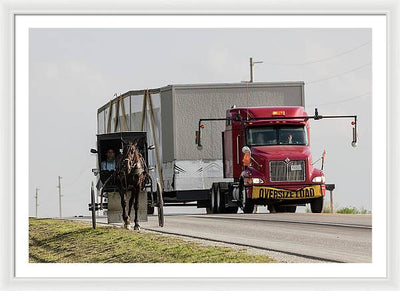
(281, 171)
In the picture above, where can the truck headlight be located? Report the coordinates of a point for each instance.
(257, 181)
(319, 179)
(252, 181)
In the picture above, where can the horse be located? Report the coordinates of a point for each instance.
(131, 174)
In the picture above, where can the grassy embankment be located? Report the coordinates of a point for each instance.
(60, 241)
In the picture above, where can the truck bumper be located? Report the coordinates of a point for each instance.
(268, 193)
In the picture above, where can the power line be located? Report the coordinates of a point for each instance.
(78, 176)
(338, 75)
(319, 60)
(341, 101)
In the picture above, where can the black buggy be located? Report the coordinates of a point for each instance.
(116, 142)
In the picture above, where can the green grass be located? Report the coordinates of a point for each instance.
(61, 241)
(352, 210)
(343, 210)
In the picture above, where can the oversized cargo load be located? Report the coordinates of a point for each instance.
(174, 112)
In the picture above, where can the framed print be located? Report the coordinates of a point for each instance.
(244, 147)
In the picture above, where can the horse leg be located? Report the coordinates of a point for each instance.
(130, 207)
(136, 195)
(123, 204)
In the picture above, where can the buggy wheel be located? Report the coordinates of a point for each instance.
(93, 201)
(150, 209)
(160, 205)
(150, 203)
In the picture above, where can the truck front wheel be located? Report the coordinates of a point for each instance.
(317, 204)
(291, 209)
(247, 204)
(283, 208)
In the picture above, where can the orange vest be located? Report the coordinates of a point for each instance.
(246, 160)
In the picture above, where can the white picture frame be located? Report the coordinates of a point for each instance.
(9, 10)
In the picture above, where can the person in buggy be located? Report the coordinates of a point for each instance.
(109, 163)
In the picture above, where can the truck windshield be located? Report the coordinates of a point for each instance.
(276, 135)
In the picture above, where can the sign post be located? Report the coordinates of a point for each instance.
(330, 188)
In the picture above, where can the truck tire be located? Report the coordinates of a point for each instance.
(213, 200)
(291, 209)
(220, 198)
(317, 205)
(247, 204)
(280, 208)
(233, 209)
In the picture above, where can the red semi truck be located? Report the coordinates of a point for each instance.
(266, 150)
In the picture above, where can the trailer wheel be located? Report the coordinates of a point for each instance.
(247, 204)
(317, 205)
(220, 200)
(213, 200)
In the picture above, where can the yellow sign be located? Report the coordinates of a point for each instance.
(282, 194)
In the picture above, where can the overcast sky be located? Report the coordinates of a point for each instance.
(75, 71)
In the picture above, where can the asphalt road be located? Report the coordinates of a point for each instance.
(321, 237)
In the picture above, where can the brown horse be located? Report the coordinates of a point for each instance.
(130, 175)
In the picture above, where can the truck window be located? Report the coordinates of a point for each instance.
(276, 135)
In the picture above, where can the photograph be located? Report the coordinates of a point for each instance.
(200, 145)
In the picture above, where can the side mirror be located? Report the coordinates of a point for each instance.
(197, 140)
(355, 135)
(246, 149)
(151, 169)
(93, 151)
(95, 171)
(323, 160)
(354, 142)
(152, 147)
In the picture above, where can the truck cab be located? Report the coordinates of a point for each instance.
(268, 156)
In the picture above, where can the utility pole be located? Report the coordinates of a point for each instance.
(252, 69)
(36, 198)
(59, 194)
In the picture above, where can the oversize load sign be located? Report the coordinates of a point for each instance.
(274, 193)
